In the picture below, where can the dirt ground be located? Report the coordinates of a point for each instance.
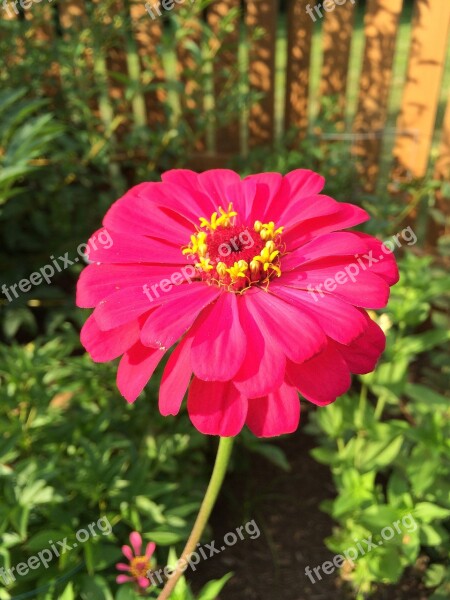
(286, 509)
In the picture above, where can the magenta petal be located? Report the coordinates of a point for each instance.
(338, 243)
(122, 567)
(338, 319)
(291, 331)
(364, 289)
(215, 183)
(275, 414)
(127, 552)
(264, 365)
(135, 213)
(123, 579)
(323, 378)
(172, 319)
(219, 345)
(297, 186)
(363, 354)
(97, 282)
(175, 379)
(129, 248)
(267, 187)
(216, 408)
(346, 215)
(149, 549)
(136, 542)
(143, 582)
(108, 345)
(135, 369)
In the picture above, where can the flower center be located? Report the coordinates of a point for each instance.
(139, 566)
(235, 256)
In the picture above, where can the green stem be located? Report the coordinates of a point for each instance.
(217, 477)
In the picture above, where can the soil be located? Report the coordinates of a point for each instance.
(286, 509)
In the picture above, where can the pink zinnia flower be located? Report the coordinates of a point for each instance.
(248, 276)
(139, 564)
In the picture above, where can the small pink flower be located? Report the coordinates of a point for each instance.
(139, 564)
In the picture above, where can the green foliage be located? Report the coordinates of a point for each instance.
(389, 448)
(72, 452)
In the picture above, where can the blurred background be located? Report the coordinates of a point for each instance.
(97, 96)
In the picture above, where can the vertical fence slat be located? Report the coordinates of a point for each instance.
(300, 27)
(71, 14)
(381, 27)
(190, 72)
(77, 74)
(41, 34)
(442, 173)
(226, 61)
(337, 40)
(416, 122)
(16, 48)
(262, 69)
(147, 34)
(442, 167)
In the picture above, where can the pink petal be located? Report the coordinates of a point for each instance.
(96, 282)
(219, 344)
(104, 346)
(184, 194)
(215, 183)
(129, 304)
(331, 244)
(136, 542)
(264, 365)
(306, 209)
(136, 214)
(122, 567)
(128, 248)
(170, 321)
(267, 187)
(366, 290)
(346, 216)
(290, 330)
(216, 408)
(123, 579)
(183, 177)
(127, 552)
(338, 319)
(296, 187)
(243, 194)
(322, 378)
(379, 262)
(135, 369)
(143, 582)
(121, 308)
(149, 549)
(363, 354)
(175, 379)
(275, 414)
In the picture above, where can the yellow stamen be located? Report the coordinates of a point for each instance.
(267, 231)
(223, 221)
(204, 265)
(221, 268)
(239, 269)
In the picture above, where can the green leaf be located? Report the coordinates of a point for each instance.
(95, 588)
(274, 454)
(213, 588)
(427, 512)
(68, 593)
(164, 538)
(375, 455)
(126, 592)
